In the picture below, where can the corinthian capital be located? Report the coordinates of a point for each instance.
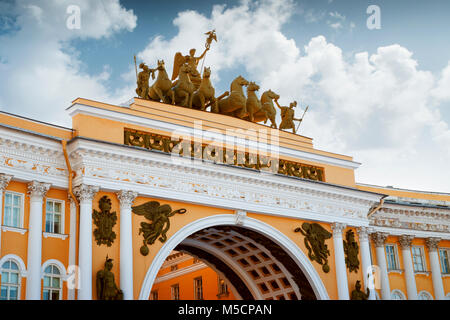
(85, 192)
(405, 241)
(432, 243)
(379, 238)
(38, 189)
(126, 197)
(338, 228)
(363, 233)
(4, 181)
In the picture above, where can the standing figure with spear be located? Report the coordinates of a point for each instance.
(287, 117)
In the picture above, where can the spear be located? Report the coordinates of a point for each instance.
(301, 120)
(135, 67)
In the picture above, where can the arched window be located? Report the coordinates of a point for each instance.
(423, 295)
(10, 281)
(52, 289)
(397, 295)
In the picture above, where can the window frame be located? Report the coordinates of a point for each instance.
(153, 294)
(196, 287)
(22, 208)
(424, 261)
(448, 260)
(19, 277)
(221, 292)
(173, 291)
(51, 276)
(396, 259)
(423, 292)
(399, 293)
(63, 211)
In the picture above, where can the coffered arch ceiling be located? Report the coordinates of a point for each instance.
(257, 267)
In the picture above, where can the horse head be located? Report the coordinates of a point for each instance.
(206, 72)
(161, 65)
(185, 68)
(272, 95)
(252, 86)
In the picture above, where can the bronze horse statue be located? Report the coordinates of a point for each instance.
(183, 88)
(161, 89)
(269, 109)
(253, 104)
(235, 103)
(205, 94)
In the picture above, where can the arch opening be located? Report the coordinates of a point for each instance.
(257, 261)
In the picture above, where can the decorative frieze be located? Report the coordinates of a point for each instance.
(38, 189)
(432, 243)
(233, 157)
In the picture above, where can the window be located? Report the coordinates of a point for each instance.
(13, 209)
(223, 288)
(154, 295)
(175, 292)
(53, 216)
(198, 289)
(418, 259)
(423, 295)
(391, 257)
(444, 254)
(10, 282)
(52, 283)
(397, 295)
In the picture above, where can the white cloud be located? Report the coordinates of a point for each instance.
(41, 72)
(381, 108)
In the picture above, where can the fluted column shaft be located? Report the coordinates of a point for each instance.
(379, 239)
(436, 276)
(363, 234)
(339, 256)
(126, 199)
(4, 181)
(411, 288)
(37, 192)
(85, 196)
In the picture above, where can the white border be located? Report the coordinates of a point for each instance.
(227, 219)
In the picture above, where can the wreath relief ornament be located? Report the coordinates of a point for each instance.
(104, 220)
(159, 216)
(315, 236)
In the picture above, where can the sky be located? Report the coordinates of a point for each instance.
(380, 95)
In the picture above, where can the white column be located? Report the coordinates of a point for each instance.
(126, 199)
(339, 257)
(411, 288)
(37, 191)
(4, 181)
(72, 242)
(85, 195)
(363, 235)
(436, 276)
(379, 239)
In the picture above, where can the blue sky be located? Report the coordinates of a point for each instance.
(382, 96)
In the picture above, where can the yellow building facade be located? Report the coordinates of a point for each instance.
(233, 210)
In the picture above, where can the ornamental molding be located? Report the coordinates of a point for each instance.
(4, 181)
(126, 197)
(85, 193)
(338, 228)
(29, 157)
(38, 189)
(405, 241)
(413, 218)
(14, 229)
(240, 216)
(379, 238)
(432, 243)
(118, 167)
(364, 233)
(55, 235)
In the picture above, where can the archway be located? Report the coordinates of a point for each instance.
(258, 260)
